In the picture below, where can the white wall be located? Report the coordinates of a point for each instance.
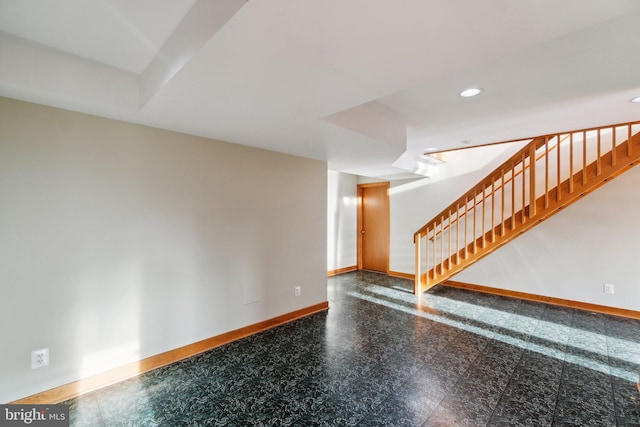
(342, 194)
(118, 242)
(572, 254)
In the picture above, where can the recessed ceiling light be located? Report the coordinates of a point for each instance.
(636, 100)
(468, 93)
(429, 150)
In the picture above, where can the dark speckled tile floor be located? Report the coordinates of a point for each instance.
(377, 358)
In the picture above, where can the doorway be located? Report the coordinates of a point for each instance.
(373, 227)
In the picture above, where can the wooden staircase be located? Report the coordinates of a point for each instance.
(548, 174)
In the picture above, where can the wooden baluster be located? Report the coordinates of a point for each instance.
(523, 188)
(417, 281)
(435, 250)
(450, 238)
(571, 163)
(483, 201)
(427, 249)
(466, 225)
(442, 245)
(532, 181)
(475, 219)
(599, 155)
(613, 148)
(584, 158)
(558, 170)
(513, 196)
(457, 233)
(546, 172)
(433, 257)
(502, 205)
(436, 263)
(493, 209)
(427, 252)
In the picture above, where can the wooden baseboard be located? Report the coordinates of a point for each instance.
(77, 388)
(549, 300)
(402, 275)
(342, 270)
(355, 268)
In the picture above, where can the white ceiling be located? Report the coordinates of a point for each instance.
(355, 82)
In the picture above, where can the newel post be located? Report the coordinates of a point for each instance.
(416, 284)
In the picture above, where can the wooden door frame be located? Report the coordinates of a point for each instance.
(361, 187)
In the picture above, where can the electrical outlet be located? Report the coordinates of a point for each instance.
(297, 291)
(39, 358)
(609, 288)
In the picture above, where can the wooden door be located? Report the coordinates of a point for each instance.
(373, 220)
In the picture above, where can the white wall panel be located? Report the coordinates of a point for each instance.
(119, 242)
(342, 193)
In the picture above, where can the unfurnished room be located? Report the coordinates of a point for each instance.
(319, 213)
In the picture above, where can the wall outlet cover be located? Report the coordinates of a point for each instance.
(39, 358)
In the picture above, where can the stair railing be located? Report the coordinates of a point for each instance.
(543, 176)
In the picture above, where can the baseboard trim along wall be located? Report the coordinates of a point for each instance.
(355, 268)
(549, 300)
(402, 275)
(341, 270)
(77, 388)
